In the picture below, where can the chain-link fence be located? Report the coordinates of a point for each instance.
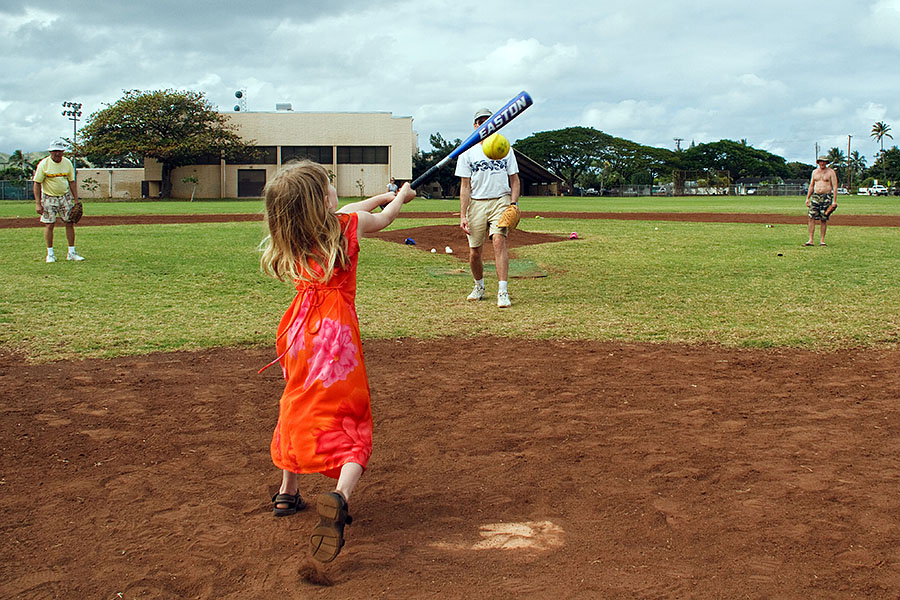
(16, 190)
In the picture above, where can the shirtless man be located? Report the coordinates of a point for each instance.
(821, 195)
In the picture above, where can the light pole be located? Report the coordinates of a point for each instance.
(73, 112)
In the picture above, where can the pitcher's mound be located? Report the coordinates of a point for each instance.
(441, 236)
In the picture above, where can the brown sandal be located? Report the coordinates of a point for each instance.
(327, 538)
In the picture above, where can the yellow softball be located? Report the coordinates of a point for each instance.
(495, 146)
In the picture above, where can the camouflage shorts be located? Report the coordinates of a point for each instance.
(56, 206)
(818, 204)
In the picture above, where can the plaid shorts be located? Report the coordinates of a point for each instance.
(818, 204)
(56, 206)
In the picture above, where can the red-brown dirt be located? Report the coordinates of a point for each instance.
(539, 469)
(440, 237)
(553, 469)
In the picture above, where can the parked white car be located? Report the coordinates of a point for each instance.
(842, 191)
(875, 190)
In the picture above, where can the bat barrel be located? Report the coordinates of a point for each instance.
(498, 120)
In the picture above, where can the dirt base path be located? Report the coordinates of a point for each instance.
(561, 469)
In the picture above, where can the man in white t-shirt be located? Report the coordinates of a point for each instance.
(55, 195)
(487, 187)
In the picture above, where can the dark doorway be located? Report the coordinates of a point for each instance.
(251, 183)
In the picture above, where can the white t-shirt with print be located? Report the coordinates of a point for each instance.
(490, 178)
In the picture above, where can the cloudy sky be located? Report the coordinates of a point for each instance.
(784, 75)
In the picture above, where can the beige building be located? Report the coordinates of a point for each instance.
(362, 151)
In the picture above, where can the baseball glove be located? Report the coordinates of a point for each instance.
(76, 213)
(831, 209)
(510, 217)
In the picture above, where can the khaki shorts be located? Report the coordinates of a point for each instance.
(54, 206)
(483, 216)
(818, 204)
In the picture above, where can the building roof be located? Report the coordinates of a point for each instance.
(534, 172)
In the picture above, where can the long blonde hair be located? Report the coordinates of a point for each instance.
(301, 226)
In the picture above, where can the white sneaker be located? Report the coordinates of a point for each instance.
(51, 258)
(74, 256)
(477, 293)
(503, 300)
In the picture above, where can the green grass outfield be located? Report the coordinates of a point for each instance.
(792, 205)
(186, 287)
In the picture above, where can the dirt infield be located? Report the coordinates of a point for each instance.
(441, 237)
(562, 469)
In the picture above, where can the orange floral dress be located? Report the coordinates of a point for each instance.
(325, 415)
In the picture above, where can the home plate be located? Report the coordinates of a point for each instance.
(531, 535)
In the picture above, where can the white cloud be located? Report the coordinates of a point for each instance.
(626, 115)
(643, 70)
(518, 61)
(823, 108)
(14, 23)
(883, 22)
(872, 112)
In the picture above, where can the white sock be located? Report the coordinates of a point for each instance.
(49, 251)
(480, 282)
(71, 249)
(501, 286)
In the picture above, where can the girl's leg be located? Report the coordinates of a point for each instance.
(350, 474)
(288, 483)
(287, 500)
(327, 538)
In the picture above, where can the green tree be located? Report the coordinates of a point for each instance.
(856, 167)
(798, 170)
(174, 127)
(18, 167)
(836, 158)
(194, 181)
(737, 159)
(570, 153)
(880, 131)
(889, 174)
(423, 161)
(584, 155)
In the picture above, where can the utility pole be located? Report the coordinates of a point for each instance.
(849, 166)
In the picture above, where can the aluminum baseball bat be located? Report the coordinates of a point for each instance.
(497, 121)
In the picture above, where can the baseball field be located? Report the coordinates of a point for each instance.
(683, 402)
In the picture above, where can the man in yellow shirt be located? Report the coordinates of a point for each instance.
(55, 194)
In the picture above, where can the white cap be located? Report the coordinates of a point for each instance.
(57, 144)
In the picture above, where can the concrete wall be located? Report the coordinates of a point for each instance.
(109, 183)
(209, 182)
(374, 179)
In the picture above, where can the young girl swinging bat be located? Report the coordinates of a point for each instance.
(324, 418)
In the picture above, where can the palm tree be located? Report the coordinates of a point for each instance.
(836, 158)
(856, 165)
(20, 165)
(879, 132)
